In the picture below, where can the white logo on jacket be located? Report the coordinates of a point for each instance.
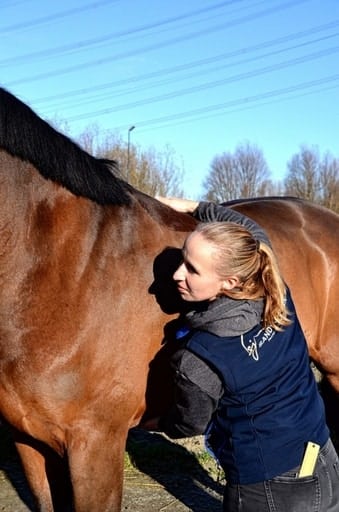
(252, 346)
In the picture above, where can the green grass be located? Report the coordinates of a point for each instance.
(156, 453)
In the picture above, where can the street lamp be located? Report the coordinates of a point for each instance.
(128, 144)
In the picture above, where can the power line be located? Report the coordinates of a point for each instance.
(12, 4)
(164, 74)
(94, 41)
(155, 46)
(216, 83)
(208, 85)
(200, 62)
(54, 17)
(233, 103)
(236, 109)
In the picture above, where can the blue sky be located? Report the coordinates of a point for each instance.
(200, 76)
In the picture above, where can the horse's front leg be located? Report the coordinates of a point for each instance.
(96, 462)
(46, 473)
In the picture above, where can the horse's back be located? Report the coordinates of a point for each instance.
(305, 237)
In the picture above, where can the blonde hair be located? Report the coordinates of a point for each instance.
(238, 254)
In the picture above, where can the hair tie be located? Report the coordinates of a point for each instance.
(257, 245)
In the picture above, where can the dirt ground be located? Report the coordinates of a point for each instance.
(159, 475)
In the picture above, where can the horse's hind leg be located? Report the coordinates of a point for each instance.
(46, 474)
(96, 462)
(327, 358)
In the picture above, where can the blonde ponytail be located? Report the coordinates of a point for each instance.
(255, 265)
(275, 311)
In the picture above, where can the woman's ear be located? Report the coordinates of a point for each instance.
(229, 283)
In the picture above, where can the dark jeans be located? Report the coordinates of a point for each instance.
(287, 493)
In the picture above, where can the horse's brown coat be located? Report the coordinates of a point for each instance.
(83, 308)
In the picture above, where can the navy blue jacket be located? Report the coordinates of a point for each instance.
(270, 406)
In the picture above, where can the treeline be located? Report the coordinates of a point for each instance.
(232, 175)
(245, 173)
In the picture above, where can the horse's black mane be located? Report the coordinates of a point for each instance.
(56, 157)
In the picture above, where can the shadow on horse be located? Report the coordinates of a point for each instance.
(86, 295)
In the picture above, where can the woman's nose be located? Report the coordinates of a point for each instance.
(179, 274)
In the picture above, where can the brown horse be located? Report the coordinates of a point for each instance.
(84, 300)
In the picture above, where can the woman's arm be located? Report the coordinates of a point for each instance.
(179, 204)
(206, 211)
(197, 392)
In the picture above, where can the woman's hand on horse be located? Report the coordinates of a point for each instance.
(179, 204)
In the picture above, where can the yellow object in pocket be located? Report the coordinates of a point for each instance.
(309, 460)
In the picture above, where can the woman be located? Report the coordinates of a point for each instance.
(242, 372)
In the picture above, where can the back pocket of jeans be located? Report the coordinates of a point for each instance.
(297, 494)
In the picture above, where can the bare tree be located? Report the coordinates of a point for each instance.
(244, 174)
(151, 171)
(270, 188)
(313, 178)
(154, 172)
(89, 139)
(329, 182)
(252, 169)
(303, 174)
(221, 182)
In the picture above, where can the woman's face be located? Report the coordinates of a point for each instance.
(196, 277)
